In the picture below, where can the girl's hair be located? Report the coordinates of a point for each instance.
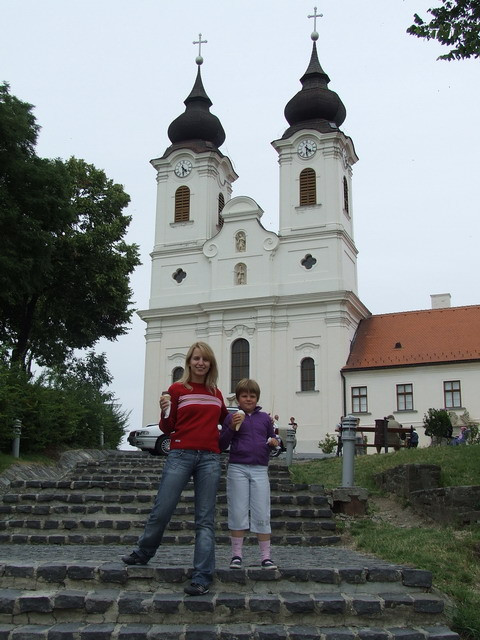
(249, 386)
(212, 375)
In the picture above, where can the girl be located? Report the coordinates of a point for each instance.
(248, 487)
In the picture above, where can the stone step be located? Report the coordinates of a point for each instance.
(141, 484)
(227, 631)
(157, 576)
(67, 496)
(173, 607)
(61, 537)
(16, 510)
(16, 525)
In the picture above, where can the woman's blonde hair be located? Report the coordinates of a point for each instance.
(212, 375)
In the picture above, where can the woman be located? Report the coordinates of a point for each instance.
(190, 414)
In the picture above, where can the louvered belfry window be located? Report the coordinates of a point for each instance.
(345, 195)
(182, 204)
(308, 187)
(221, 204)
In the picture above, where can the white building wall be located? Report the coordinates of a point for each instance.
(427, 384)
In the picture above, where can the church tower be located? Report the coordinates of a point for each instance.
(194, 183)
(316, 160)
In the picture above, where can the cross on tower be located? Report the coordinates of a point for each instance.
(315, 16)
(199, 58)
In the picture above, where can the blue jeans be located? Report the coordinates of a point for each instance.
(180, 465)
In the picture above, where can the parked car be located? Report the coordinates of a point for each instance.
(151, 439)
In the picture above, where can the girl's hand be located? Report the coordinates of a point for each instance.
(237, 420)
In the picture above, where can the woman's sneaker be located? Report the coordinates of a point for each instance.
(268, 564)
(196, 589)
(133, 558)
(236, 562)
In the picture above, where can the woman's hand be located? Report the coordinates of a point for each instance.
(164, 402)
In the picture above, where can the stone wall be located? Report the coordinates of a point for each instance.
(420, 484)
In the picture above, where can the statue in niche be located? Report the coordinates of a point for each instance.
(240, 241)
(240, 274)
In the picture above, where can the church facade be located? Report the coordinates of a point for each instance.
(281, 308)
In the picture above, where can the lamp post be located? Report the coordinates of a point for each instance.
(349, 437)
(17, 432)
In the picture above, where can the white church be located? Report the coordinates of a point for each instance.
(281, 308)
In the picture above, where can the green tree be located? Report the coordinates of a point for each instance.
(456, 24)
(437, 424)
(64, 263)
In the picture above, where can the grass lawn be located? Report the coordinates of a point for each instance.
(452, 555)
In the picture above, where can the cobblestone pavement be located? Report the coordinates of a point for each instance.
(285, 557)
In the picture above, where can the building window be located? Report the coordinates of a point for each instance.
(307, 374)
(308, 187)
(345, 195)
(404, 397)
(182, 204)
(221, 204)
(240, 361)
(177, 373)
(359, 400)
(452, 395)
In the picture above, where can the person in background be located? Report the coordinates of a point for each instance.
(190, 414)
(412, 442)
(461, 438)
(338, 429)
(248, 486)
(393, 437)
(292, 424)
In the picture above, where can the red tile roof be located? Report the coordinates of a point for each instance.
(416, 337)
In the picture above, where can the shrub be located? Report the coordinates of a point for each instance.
(328, 444)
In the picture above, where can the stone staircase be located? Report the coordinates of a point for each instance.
(62, 532)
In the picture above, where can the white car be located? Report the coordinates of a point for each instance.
(151, 439)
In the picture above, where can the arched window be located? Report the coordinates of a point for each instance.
(221, 204)
(240, 361)
(177, 373)
(182, 204)
(307, 375)
(345, 194)
(308, 187)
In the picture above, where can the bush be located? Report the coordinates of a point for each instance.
(328, 444)
(437, 423)
(66, 409)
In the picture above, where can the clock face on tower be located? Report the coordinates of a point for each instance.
(307, 148)
(183, 168)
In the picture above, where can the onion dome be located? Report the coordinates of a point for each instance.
(315, 106)
(197, 127)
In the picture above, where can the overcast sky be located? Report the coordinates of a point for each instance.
(108, 76)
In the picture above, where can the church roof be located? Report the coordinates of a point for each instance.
(315, 106)
(196, 126)
(416, 338)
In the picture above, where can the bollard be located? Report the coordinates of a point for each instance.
(349, 437)
(291, 439)
(17, 432)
